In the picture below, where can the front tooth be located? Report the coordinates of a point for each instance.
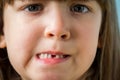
(57, 56)
(49, 56)
(45, 55)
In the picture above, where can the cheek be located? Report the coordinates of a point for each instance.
(21, 41)
(20, 37)
(86, 52)
(86, 41)
(87, 34)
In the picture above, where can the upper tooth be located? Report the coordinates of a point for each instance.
(46, 55)
(57, 56)
(49, 56)
(41, 56)
(61, 56)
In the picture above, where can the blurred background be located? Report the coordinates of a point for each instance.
(118, 10)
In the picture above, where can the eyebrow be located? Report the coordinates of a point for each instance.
(56, 0)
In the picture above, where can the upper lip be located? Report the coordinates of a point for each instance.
(53, 52)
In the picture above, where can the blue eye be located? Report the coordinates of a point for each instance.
(78, 8)
(34, 8)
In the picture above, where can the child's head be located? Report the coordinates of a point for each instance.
(59, 40)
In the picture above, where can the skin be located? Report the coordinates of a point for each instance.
(27, 33)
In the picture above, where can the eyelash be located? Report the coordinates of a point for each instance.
(34, 8)
(79, 8)
(74, 8)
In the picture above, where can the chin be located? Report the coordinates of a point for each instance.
(47, 77)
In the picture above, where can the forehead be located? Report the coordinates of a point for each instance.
(51, 0)
(12, 1)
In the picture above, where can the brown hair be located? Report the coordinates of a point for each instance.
(106, 64)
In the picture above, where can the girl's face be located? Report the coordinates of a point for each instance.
(55, 40)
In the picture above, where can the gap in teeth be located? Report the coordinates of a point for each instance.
(48, 56)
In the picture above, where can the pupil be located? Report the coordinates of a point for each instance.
(78, 8)
(33, 8)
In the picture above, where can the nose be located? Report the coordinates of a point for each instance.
(58, 27)
(57, 34)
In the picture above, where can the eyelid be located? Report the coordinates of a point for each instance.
(40, 6)
(87, 4)
(25, 5)
(79, 9)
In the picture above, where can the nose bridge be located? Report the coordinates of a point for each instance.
(57, 25)
(58, 18)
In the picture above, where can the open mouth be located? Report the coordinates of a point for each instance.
(52, 57)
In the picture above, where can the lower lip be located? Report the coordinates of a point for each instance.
(52, 61)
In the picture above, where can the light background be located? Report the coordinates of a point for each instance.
(118, 10)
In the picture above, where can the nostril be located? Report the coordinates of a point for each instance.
(51, 35)
(64, 36)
